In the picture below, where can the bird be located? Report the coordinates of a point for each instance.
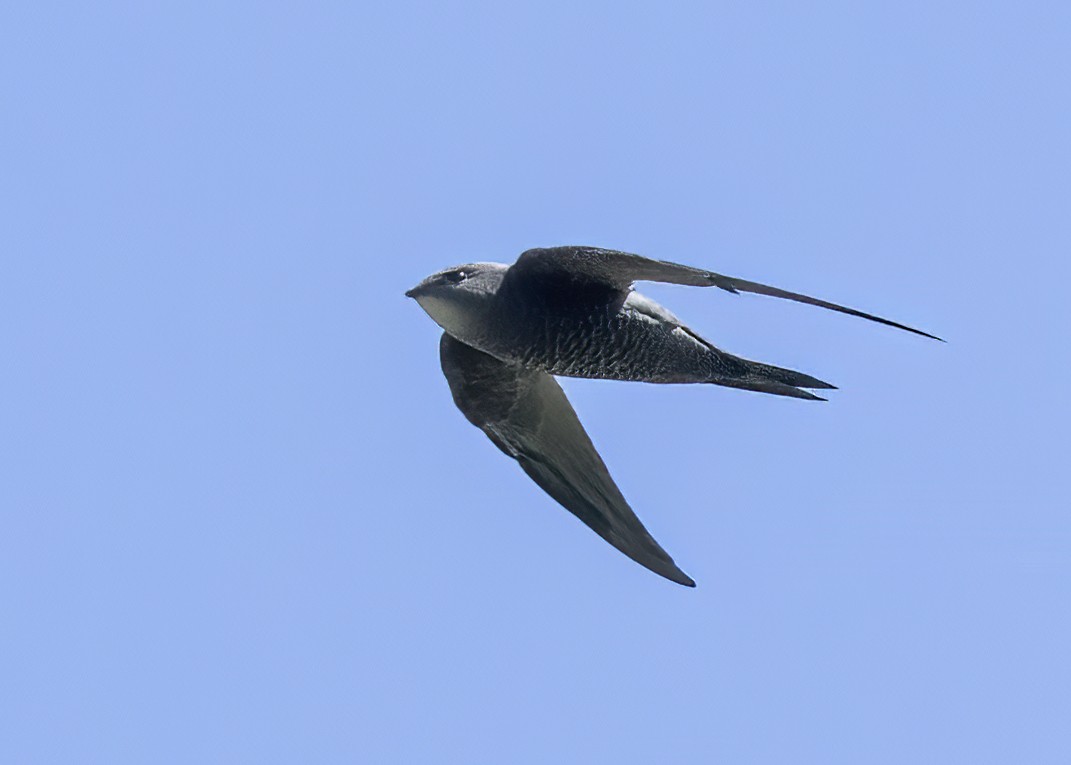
(509, 330)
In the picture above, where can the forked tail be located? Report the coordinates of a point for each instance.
(735, 372)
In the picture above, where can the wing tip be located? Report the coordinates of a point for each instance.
(673, 574)
(915, 331)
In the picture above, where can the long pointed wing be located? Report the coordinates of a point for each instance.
(526, 414)
(621, 269)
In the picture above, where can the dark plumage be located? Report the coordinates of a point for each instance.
(571, 311)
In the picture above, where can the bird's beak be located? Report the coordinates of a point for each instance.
(418, 290)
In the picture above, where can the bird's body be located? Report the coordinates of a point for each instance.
(600, 334)
(571, 311)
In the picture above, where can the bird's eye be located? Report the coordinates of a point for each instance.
(455, 277)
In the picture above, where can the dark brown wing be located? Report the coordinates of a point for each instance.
(621, 269)
(526, 414)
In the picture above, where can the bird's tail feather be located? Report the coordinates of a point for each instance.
(786, 376)
(764, 378)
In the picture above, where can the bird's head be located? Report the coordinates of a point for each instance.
(458, 298)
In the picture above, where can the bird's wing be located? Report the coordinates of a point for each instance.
(621, 269)
(526, 414)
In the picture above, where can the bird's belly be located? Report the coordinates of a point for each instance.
(614, 345)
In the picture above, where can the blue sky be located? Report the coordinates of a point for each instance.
(243, 522)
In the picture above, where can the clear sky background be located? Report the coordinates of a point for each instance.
(242, 522)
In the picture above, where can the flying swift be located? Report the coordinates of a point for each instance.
(572, 312)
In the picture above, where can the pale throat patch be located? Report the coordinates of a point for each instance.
(451, 315)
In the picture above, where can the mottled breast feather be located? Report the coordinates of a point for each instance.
(590, 329)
